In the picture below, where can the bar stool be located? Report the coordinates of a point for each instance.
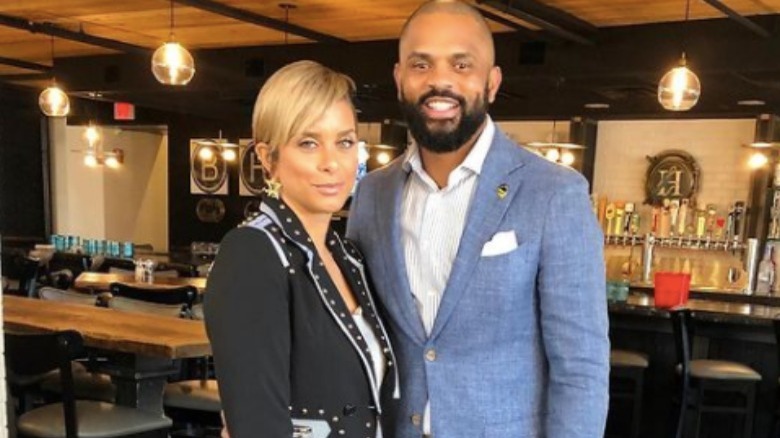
(701, 377)
(628, 367)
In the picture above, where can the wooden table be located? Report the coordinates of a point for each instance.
(102, 281)
(141, 347)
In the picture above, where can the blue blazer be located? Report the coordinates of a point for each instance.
(520, 337)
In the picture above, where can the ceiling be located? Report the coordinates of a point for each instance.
(594, 50)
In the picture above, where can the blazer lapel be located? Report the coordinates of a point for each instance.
(397, 294)
(485, 214)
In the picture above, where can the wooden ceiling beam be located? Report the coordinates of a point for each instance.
(534, 16)
(26, 77)
(80, 36)
(27, 65)
(535, 35)
(734, 15)
(260, 20)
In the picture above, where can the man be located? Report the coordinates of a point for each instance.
(486, 258)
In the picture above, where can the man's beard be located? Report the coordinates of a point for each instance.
(443, 140)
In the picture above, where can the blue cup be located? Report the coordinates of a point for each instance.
(60, 242)
(128, 250)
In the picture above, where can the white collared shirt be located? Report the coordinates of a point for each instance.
(432, 222)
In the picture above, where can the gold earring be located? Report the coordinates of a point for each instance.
(272, 188)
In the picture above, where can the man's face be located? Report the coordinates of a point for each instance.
(446, 79)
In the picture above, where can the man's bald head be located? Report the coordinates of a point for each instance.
(454, 7)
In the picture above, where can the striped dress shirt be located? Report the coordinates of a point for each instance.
(432, 222)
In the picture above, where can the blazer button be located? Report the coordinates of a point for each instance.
(416, 419)
(349, 410)
(430, 355)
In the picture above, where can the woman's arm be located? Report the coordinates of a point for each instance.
(247, 320)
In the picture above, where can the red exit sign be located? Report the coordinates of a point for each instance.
(124, 111)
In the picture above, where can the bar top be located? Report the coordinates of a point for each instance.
(707, 309)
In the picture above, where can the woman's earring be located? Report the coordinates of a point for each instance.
(272, 188)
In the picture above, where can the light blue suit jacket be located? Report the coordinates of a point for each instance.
(521, 339)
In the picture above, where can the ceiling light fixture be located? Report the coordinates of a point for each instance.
(53, 101)
(94, 155)
(679, 89)
(751, 102)
(172, 64)
(221, 145)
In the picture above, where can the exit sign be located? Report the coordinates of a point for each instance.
(124, 111)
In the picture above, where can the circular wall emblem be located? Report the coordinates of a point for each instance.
(671, 175)
(210, 210)
(252, 171)
(251, 209)
(208, 167)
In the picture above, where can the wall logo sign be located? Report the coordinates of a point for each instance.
(208, 169)
(671, 175)
(250, 170)
(210, 210)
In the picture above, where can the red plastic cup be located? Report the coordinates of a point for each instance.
(671, 289)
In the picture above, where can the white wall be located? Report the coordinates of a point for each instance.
(136, 195)
(717, 145)
(78, 190)
(125, 204)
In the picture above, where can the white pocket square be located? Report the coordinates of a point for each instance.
(501, 243)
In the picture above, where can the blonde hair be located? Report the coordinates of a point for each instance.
(293, 99)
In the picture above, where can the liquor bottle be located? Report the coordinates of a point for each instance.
(682, 217)
(766, 273)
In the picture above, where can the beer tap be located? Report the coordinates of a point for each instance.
(739, 213)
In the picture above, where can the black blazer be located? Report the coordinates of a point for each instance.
(285, 346)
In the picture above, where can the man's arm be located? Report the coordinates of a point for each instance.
(574, 316)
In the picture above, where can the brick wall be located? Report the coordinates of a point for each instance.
(717, 145)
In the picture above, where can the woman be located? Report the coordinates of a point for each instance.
(295, 333)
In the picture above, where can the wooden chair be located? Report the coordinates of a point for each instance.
(71, 418)
(169, 301)
(87, 384)
(63, 268)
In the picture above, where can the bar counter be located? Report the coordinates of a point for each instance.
(723, 329)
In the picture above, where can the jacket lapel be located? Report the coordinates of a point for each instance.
(398, 296)
(485, 214)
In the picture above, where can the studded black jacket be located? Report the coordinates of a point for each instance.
(286, 348)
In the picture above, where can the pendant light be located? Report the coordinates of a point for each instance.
(679, 89)
(53, 101)
(172, 64)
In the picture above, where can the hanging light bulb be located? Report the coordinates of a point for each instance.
(679, 89)
(54, 102)
(172, 64)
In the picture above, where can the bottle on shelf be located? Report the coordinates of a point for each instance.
(766, 273)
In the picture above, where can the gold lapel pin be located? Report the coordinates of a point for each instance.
(502, 190)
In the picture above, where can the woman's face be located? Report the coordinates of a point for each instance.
(317, 168)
